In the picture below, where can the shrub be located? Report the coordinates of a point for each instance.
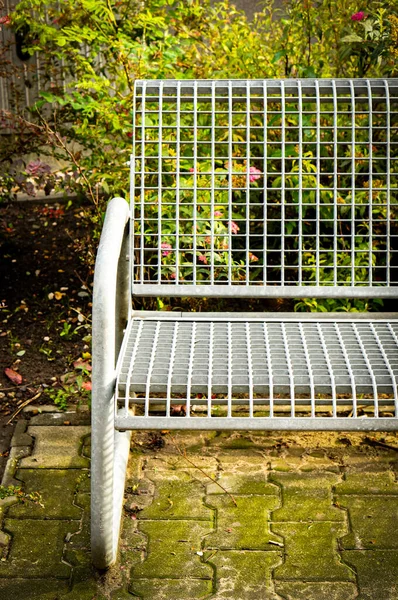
(92, 51)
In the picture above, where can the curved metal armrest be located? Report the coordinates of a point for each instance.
(111, 305)
(110, 295)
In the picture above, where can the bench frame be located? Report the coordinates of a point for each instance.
(112, 310)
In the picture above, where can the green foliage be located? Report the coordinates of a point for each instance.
(368, 43)
(92, 51)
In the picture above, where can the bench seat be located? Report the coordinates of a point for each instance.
(256, 368)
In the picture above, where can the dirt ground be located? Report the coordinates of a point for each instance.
(45, 304)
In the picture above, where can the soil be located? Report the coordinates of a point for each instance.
(46, 257)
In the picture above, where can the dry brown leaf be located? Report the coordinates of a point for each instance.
(13, 376)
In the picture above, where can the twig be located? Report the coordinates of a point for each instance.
(35, 397)
(61, 144)
(183, 453)
(14, 387)
(373, 442)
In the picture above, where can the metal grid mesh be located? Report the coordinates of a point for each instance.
(264, 183)
(259, 369)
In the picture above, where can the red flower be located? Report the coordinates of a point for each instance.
(5, 20)
(358, 16)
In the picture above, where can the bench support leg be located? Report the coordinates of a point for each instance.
(110, 453)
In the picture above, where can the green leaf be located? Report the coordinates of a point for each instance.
(352, 38)
(48, 97)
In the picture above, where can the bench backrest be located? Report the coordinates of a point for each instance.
(265, 188)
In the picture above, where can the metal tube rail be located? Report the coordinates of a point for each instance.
(109, 450)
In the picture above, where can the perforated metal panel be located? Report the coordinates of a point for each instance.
(263, 186)
(256, 369)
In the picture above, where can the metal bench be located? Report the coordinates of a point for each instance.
(246, 189)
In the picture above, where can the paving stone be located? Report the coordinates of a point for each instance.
(311, 552)
(121, 595)
(57, 490)
(4, 540)
(377, 573)
(285, 463)
(36, 409)
(16, 454)
(243, 484)
(138, 494)
(7, 502)
(32, 589)
(325, 590)
(60, 419)
(82, 538)
(56, 448)
(170, 589)
(84, 482)
(368, 483)
(177, 498)
(239, 441)
(247, 465)
(304, 459)
(245, 525)
(20, 437)
(368, 460)
(373, 521)
(307, 497)
(244, 575)
(132, 542)
(86, 449)
(169, 463)
(87, 590)
(172, 550)
(37, 548)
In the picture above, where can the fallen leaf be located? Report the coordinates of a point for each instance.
(81, 364)
(13, 376)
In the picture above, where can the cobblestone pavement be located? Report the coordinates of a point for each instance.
(310, 516)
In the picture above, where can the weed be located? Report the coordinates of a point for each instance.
(21, 496)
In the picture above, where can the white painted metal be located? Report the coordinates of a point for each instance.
(325, 149)
(109, 447)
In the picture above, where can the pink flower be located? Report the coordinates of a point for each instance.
(166, 249)
(5, 20)
(255, 174)
(173, 276)
(192, 170)
(86, 385)
(358, 16)
(233, 227)
(202, 258)
(218, 213)
(253, 257)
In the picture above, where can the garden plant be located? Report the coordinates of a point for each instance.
(90, 54)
